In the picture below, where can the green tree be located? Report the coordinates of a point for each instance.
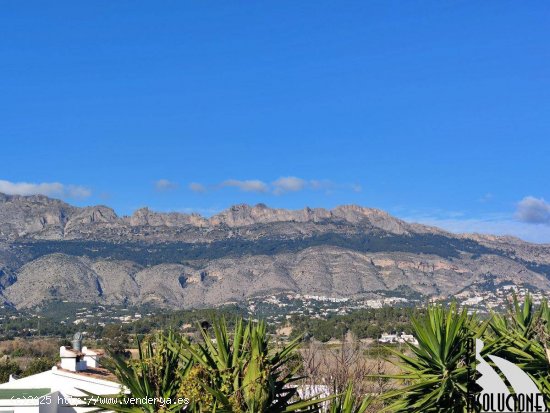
(115, 340)
(373, 331)
(360, 328)
(38, 365)
(8, 367)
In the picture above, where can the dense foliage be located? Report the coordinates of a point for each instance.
(38, 365)
(233, 372)
(181, 252)
(241, 371)
(363, 323)
(7, 368)
(238, 367)
(56, 319)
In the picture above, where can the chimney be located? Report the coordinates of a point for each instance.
(77, 341)
(92, 357)
(72, 359)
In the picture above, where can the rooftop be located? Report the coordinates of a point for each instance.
(96, 372)
(23, 393)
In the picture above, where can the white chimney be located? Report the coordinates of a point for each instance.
(91, 357)
(71, 360)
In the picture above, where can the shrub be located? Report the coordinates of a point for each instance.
(8, 367)
(38, 365)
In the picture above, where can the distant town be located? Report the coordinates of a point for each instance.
(277, 309)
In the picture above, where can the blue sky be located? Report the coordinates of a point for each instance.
(437, 112)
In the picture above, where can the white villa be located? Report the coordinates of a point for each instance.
(398, 338)
(57, 390)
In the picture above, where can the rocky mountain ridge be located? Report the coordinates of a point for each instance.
(37, 216)
(50, 250)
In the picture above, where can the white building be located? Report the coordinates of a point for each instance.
(388, 338)
(473, 300)
(56, 390)
(73, 360)
(398, 338)
(408, 338)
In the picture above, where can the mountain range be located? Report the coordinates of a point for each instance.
(50, 250)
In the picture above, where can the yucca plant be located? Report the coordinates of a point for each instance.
(521, 337)
(349, 403)
(544, 327)
(245, 374)
(437, 374)
(159, 374)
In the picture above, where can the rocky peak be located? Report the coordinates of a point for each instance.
(240, 215)
(34, 200)
(21, 215)
(144, 216)
(98, 214)
(139, 217)
(356, 214)
(42, 217)
(243, 215)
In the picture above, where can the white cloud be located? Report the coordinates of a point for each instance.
(165, 185)
(282, 185)
(253, 185)
(533, 211)
(44, 188)
(288, 184)
(196, 187)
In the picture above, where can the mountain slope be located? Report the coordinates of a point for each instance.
(52, 250)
